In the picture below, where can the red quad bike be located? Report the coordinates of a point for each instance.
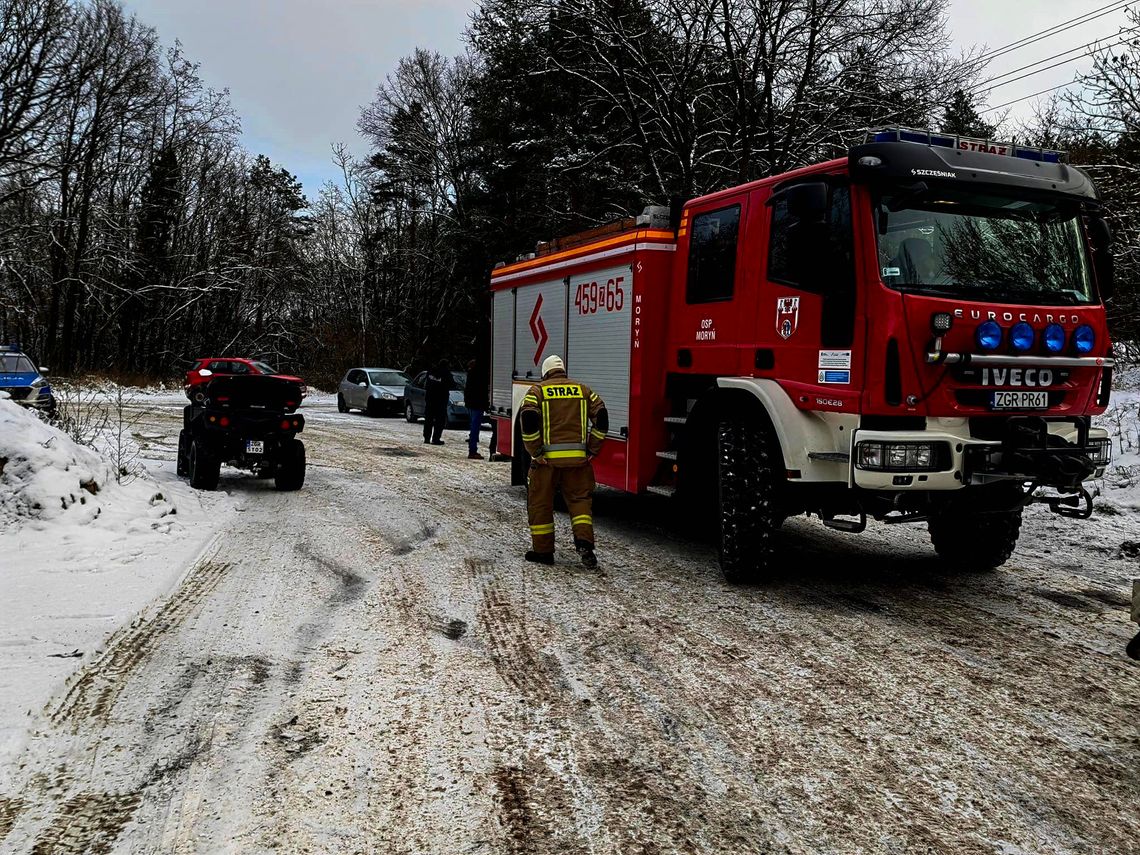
(248, 422)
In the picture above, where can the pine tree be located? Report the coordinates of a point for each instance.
(962, 117)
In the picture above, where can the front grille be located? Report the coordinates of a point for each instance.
(18, 393)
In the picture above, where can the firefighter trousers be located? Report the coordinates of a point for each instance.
(576, 484)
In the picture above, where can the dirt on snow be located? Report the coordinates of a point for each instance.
(369, 666)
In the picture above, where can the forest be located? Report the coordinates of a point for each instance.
(137, 232)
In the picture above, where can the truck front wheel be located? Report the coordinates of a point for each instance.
(974, 540)
(290, 471)
(749, 517)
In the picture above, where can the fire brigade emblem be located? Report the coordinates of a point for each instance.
(787, 316)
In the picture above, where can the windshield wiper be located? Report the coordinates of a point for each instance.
(936, 290)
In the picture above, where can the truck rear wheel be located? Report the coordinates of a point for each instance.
(973, 540)
(290, 472)
(205, 468)
(749, 516)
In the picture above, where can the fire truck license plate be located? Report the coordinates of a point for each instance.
(1020, 401)
(254, 446)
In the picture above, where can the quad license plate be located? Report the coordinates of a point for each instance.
(1020, 401)
(254, 446)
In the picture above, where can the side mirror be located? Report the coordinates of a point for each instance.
(205, 372)
(362, 385)
(1103, 264)
(807, 202)
(43, 369)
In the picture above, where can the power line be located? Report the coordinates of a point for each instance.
(1025, 97)
(1089, 50)
(1056, 29)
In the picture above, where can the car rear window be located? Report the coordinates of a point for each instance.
(15, 364)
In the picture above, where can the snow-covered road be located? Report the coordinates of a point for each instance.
(369, 666)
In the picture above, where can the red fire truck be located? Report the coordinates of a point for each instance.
(913, 333)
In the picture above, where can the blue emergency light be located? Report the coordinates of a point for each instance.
(961, 143)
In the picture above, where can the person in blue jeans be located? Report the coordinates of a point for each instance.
(476, 395)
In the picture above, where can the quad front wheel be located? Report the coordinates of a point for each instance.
(748, 457)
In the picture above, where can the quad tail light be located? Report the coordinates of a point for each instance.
(286, 423)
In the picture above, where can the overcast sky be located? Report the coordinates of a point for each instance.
(298, 71)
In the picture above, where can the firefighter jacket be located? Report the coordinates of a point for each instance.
(563, 422)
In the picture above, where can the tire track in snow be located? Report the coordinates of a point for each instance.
(87, 824)
(93, 694)
(10, 810)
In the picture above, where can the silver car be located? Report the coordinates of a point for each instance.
(375, 391)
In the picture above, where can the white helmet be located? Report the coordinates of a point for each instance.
(552, 363)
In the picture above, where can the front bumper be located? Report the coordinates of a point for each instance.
(39, 397)
(1059, 454)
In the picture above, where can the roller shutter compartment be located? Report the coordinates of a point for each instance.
(601, 309)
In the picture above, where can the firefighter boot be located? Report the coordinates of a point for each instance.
(539, 557)
(586, 553)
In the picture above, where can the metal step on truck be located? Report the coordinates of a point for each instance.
(914, 333)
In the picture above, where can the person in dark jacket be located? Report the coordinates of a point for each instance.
(437, 391)
(477, 397)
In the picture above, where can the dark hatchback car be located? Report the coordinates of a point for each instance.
(415, 400)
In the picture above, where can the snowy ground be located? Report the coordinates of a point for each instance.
(369, 666)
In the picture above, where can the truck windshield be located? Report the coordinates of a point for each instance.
(985, 248)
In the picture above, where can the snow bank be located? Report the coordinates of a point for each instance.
(44, 474)
(1121, 484)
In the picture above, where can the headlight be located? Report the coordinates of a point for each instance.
(461, 405)
(38, 382)
(387, 396)
(1054, 338)
(1100, 452)
(902, 456)
(1021, 336)
(1084, 338)
(988, 335)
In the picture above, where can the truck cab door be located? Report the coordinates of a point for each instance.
(808, 302)
(710, 309)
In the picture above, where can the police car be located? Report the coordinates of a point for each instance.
(24, 383)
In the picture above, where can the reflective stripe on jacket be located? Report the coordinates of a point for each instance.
(566, 432)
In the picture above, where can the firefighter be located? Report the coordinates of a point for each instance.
(563, 425)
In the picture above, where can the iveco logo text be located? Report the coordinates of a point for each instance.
(1028, 317)
(933, 173)
(1017, 377)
